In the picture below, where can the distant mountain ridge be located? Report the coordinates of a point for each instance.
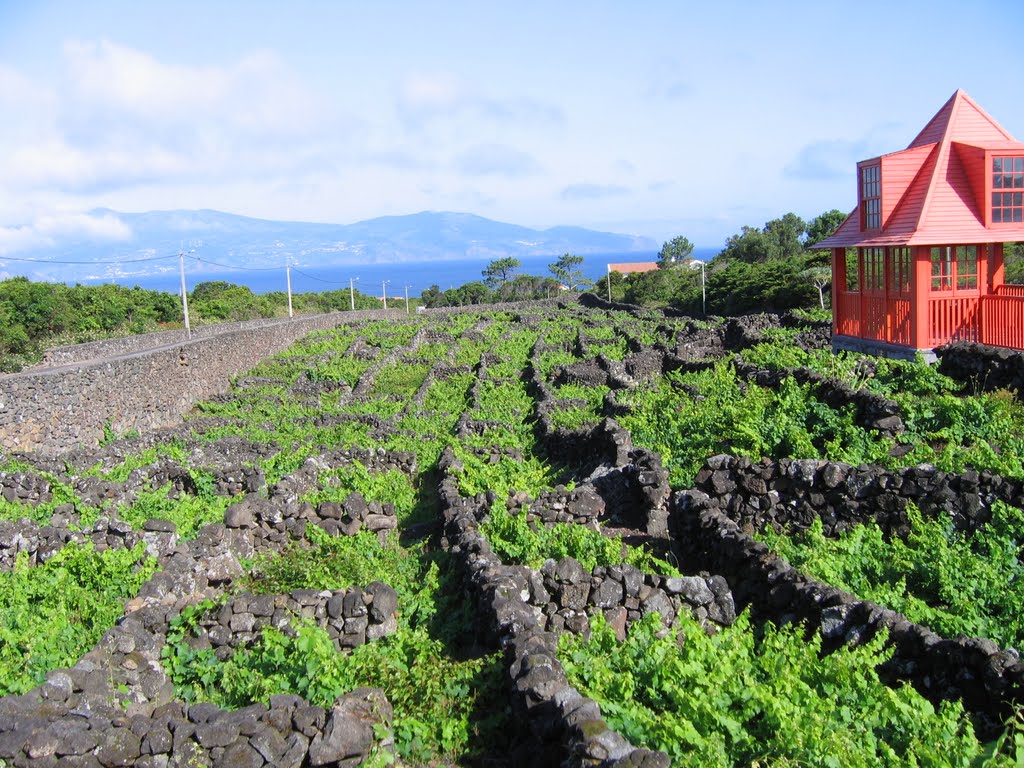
(224, 241)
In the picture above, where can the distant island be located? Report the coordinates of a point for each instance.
(226, 241)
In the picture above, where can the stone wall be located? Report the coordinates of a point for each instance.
(561, 726)
(52, 410)
(985, 368)
(126, 345)
(711, 524)
(790, 493)
(117, 706)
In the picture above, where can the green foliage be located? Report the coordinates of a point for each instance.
(528, 288)
(661, 287)
(778, 240)
(675, 252)
(740, 287)
(60, 494)
(221, 301)
(515, 541)
(954, 583)
(823, 225)
(189, 513)
(443, 698)
(54, 612)
(742, 697)
(507, 475)
(696, 415)
(500, 271)
(391, 486)
(1013, 254)
(400, 378)
(567, 272)
(944, 426)
(34, 316)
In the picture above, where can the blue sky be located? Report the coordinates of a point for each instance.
(652, 118)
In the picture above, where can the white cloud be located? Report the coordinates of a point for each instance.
(110, 76)
(425, 98)
(50, 230)
(119, 118)
(422, 95)
(494, 159)
(585, 191)
(106, 226)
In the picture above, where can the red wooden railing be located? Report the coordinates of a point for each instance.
(1002, 320)
(1010, 290)
(899, 321)
(847, 314)
(994, 319)
(953, 318)
(875, 319)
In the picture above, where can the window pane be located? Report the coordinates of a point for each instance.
(997, 164)
(997, 181)
(1018, 164)
(1017, 214)
(852, 270)
(1018, 181)
(997, 215)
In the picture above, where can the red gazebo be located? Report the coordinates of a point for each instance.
(919, 262)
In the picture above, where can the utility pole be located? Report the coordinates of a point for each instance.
(609, 281)
(352, 293)
(184, 295)
(288, 276)
(703, 286)
(407, 299)
(384, 291)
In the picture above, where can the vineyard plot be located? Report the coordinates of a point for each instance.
(490, 538)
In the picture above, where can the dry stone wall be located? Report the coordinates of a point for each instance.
(985, 368)
(711, 526)
(117, 707)
(124, 345)
(51, 410)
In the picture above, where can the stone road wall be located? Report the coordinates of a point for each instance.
(47, 411)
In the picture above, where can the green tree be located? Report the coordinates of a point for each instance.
(618, 282)
(500, 271)
(820, 277)
(778, 239)
(222, 301)
(659, 287)
(675, 252)
(433, 297)
(823, 225)
(475, 292)
(1013, 258)
(568, 273)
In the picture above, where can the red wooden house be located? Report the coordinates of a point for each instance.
(919, 261)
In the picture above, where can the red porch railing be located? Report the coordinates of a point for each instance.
(1002, 319)
(847, 314)
(899, 321)
(953, 318)
(1009, 290)
(874, 320)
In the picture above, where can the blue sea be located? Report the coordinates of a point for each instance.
(368, 278)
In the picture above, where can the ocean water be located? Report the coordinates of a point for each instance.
(368, 278)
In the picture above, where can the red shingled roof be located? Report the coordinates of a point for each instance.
(933, 192)
(632, 267)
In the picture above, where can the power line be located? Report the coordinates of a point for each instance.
(320, 279)
(87, 263)
(233, 267)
